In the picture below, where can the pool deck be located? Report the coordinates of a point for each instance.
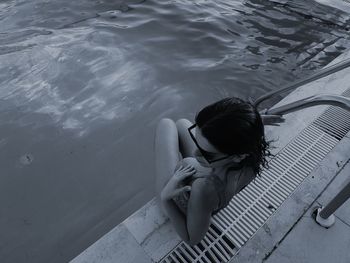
(289, 235)
(305, 241)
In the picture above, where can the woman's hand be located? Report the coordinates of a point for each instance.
(269, 119)
(174, 186)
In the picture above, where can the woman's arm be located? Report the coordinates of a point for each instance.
(177, 218)
(172, 189)
(203, 201)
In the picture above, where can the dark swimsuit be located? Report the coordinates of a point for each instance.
(220, 187)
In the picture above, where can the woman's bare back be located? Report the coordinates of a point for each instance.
(229, 190)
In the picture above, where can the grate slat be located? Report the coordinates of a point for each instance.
(237, 235)
(182, 259)
(174, 259)
(218, 249)
(187, 252)
(187, 255)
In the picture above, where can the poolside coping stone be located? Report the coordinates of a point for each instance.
(153, 231)
(118, 245)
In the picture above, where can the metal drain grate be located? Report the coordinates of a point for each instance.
(335, 121)
(215, 247)
(233, 226)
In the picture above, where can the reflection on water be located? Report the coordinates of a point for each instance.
(83, 84)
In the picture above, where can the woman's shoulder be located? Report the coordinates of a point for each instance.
(189, 160)
(205, 185)
(201, 170)
(204, 192)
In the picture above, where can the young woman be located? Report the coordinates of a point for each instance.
(201, 166)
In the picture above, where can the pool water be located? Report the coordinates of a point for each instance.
(84, 83)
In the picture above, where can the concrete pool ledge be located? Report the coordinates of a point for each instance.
(147, 235)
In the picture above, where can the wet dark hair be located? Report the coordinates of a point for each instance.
(234, 126)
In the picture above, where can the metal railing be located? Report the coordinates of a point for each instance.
(320, 74)
(320, 99)
(323, 215)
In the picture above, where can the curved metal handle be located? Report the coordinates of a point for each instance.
(322, 73)
(320, 99)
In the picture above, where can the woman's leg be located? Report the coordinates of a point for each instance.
(166, 153)
(187, 146)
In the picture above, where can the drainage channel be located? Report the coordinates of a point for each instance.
(248, 211)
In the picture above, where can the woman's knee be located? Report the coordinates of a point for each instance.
(183, 124)
(167, 131)
(166, 123)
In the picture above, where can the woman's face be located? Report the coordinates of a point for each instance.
(215, 153)
(207, 146)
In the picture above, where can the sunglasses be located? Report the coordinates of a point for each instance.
(208, 156)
